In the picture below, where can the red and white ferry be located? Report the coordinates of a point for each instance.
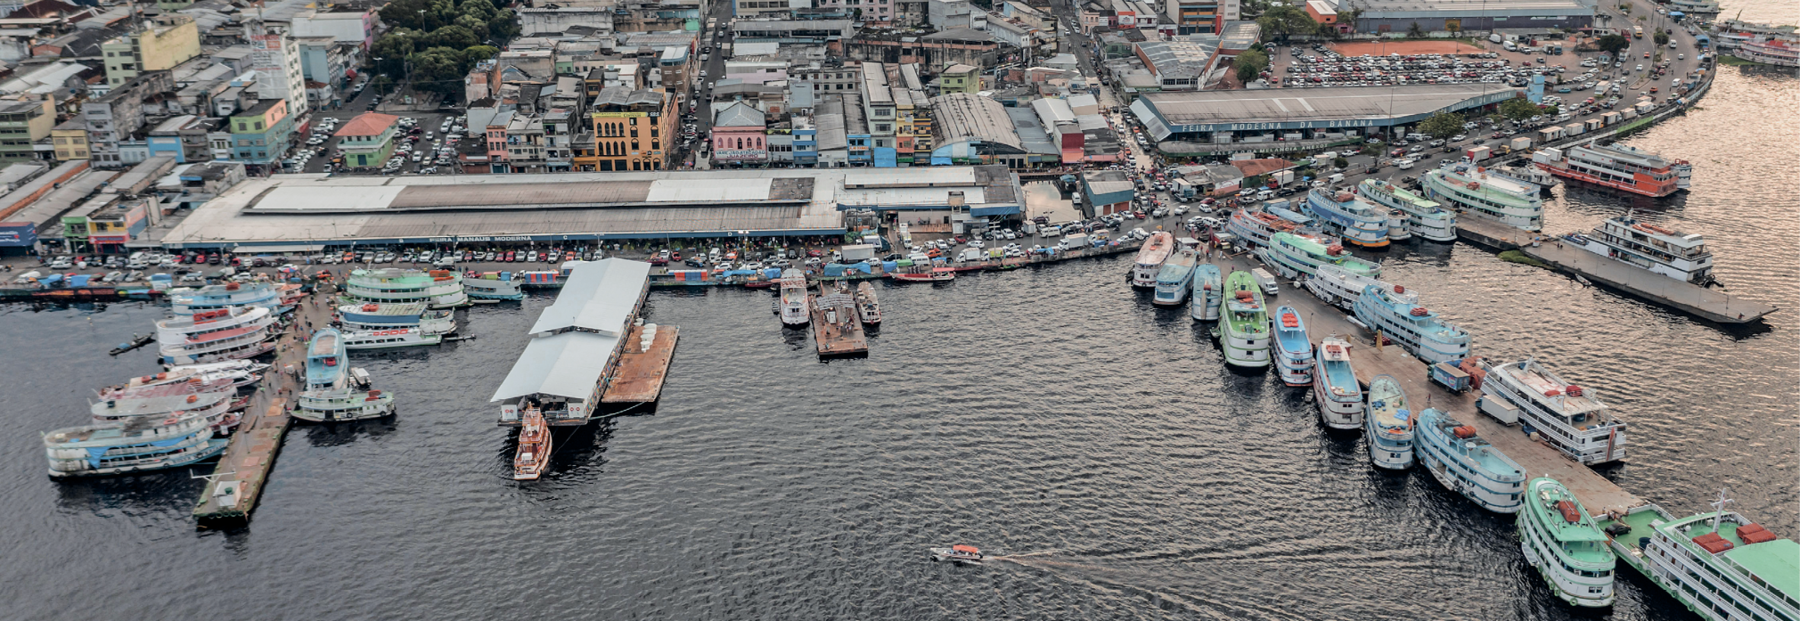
(1616, 166)
(920, 274)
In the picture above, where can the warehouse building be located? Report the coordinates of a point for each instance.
(1274, 120)
(1438, 16)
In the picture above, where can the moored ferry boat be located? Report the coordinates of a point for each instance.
(1424, 217)
(795, 298)
(867, 307)
(1295, 358)
(1561, 540)
(1176, 278)
(1254, 224)
(1714, 563)
(226, 296)
(1390, 424)
(1490, 197)
(1354, 220)
(533, 455)
(1528, 174)
(1568, 417)
(1677, 255)
(1398, 228)
(1244, 331)
(241, 372)
(1295, 256)
(1615, 166)
(922, 273)
(371, 316)
(1338, 286)
(1463, 462)
(1335, 389)
(332, 391)
(1150, 258)
(216, 335)
(136, 445)
(393, 338)
(494, 286)
(437, 288)
(1396, 313)
(1208, 293)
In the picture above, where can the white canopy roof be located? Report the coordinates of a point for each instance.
(565, 365)
(597, 297)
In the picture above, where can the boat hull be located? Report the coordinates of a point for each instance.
(1570, 173)
(209, 449)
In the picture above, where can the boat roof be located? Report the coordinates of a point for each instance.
(1393, 411)
(1540, 379)
(1776, 562)
(1542, 495)
(158, 404)
(385, 308)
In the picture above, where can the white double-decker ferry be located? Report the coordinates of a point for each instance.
(1568, 417)
(1424, 217)
(1150, 259)
(1677, 255)
(1498, 198)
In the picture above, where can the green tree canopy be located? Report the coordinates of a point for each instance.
(477, 54)
(456, 37)
(1519, 109)
(1249, 64)
(1280, 23)
(504, 26)
(1442, 125)
(1612, 43)
(1661, 38)
(1415, 32)
(438, 70)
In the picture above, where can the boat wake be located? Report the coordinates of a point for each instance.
(1135, 582)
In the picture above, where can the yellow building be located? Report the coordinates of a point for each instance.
(632, 129)
(23, 122)
(70, 140)
(167, 41)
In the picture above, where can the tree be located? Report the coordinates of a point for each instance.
(455, 37)
(381, 84)
(1249, 64)
(477, 54)
(1348, 18)
(1415, 32)
(478, 9)
(1453, 25)
(1280, 23)
(1661, 37)
(392, 49)
(503, 26)
(1612, 44)
(1519, 109)
(1442, 125)
(1340, 162)
(438, 70)
(473, 24)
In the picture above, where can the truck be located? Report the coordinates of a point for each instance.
(1601, 87)
(1266, 280)
(1476, 154)
(1574, 129)
(1551, 133)
(1594, 124)
(1075, 240)
(1335, 178)
(1282, 177)
(1450, 376)
(1520, 143)
(1637, 32)
(857, 252)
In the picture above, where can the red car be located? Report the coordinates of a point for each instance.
(815, 253)
(658, 260)
(509, 255)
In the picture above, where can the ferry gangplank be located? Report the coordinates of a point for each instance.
(1353, 219)
(1208, 293)
(1463, 462)
(1567, 417)
(1717, 563)
(1150, 258)
(1424, 217)
(1335, 390)
(1176, 278)
(1294, 356)
(1244, 334)
(1396, 313)
(1568, 549)
(1616, 166)
(1490, 197)
(1390, 424)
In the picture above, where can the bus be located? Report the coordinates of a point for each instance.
(1637, 32)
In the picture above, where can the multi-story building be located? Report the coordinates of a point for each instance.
(114, 117)
(856, 131)
(344, 24)
(633, 128)
(559, 138)
(70, 140)
(805, 142)
(159, 45)
(740, 135)
(1201, 16)
(882, 11)
(368, 140)
(275, 57)
(261, 133)
(184, 138)
(525, 144)
(960, 79)
(878, 108)
(23, 122)
(329, 62)
(829, 79)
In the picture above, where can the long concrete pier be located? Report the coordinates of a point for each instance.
(1681, 295)
(1538, 459)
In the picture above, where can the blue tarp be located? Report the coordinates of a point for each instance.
(890, 266)
(738, 273)
(772, 273)
(79, 280)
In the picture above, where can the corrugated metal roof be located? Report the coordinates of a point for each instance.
(598, 296)
(566, 365)
(962, 116)
(1274, 105)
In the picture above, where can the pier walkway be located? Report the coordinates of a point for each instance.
(1681, 295)
(1595, 492)
(641, 372)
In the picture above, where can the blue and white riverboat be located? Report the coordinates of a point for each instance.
(1396, 313)
(372, 316)
(494, 287)
(1209, 291)
(1339, 396)
(1457, 456)
(1294, 361)
(1175, 278)
(136, 445)
(1390, 429)
(227, 296)
(1352, 219)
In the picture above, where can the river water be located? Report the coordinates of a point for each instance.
(1050, 414)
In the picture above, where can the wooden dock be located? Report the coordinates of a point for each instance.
(837, 330)
(1538, 459)
(243, 471)
(641, 372)
(1681, 295)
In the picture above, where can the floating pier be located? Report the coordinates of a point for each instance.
(641, 372)
(1681, 295)
(243, 471)
(837, 330)
(1538, 459)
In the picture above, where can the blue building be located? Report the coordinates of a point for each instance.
(806, 142)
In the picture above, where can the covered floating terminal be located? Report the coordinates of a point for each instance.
(576, 344)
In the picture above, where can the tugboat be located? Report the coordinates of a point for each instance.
(534, 446)
(866, 305)
(966, 555)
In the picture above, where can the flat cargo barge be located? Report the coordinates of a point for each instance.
(642, 371)
(837, 329)
(237, 483)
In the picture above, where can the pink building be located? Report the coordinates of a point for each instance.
(739, 134)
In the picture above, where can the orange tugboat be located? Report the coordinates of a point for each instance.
(534, 446)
